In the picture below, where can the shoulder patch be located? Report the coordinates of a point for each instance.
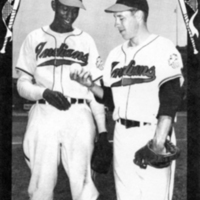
(99, 63)
(173, 61)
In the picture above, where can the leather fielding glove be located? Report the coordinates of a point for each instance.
(56, 99)
(146, 156)
(102, 154)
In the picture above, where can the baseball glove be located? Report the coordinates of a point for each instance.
(102, 154)
(146, 156)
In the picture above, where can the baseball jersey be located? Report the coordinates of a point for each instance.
(47, 56)
(135, 75)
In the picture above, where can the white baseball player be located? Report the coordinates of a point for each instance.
(142, 76)
(60, 125)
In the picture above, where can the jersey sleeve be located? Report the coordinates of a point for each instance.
(107, 70)
(170, 96)
(26, 61)
(27, 89)
(25, 69)
(99, 114)
(170, 64)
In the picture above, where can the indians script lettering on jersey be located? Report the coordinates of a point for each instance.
(63, 51)
(49, 56)
(145, 73)
(135, 75)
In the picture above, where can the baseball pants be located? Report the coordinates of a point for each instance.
(54, 135)
(132, 182)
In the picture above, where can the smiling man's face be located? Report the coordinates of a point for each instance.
(64, 16)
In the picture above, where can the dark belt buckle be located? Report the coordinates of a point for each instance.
(41, 101)
(126, 124)
(80, 101)
(130, 123)
(73, 101)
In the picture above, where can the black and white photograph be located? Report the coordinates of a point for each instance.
(99, 100)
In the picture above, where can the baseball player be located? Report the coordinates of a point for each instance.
(60, 125)
(143, 80)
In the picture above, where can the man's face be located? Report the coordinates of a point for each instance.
(64, 15)
(127, 24)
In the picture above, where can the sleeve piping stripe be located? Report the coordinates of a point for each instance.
(49, 34)
(157, 36)
(100, 77)
(24, 71)
(73, 35)
(169, 78)
(123, 52)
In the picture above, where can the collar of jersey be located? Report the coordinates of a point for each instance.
(76, 31)
(127, 46)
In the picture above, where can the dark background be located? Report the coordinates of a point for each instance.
(5, 114)
(191, 103)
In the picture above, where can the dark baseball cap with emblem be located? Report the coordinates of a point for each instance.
(124, 5)
(73, 3)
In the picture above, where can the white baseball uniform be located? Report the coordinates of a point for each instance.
(135, 75)
(48, 57)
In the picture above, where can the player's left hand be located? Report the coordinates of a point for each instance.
(83, 77)
(146, 155)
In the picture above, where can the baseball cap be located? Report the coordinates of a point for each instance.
(124, 5)
(74, 3)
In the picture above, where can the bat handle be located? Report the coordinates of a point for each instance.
(3, 50)
(195, 51)
(193, 45)
(9, 34)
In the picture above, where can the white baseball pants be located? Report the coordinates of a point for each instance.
(54, 135)
(132, 182)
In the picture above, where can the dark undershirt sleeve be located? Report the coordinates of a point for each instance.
(170, 96)
(107, 99)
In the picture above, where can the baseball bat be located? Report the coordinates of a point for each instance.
(188, 23)
(10, 25)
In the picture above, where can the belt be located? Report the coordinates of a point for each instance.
(131, 123)
(72, 101)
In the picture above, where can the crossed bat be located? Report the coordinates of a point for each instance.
(12, 14)
(189, 22)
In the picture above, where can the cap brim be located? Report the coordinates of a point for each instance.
(73, 3)
(118, 8)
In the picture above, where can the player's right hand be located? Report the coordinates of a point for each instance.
(56, 99)
(82, 77)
